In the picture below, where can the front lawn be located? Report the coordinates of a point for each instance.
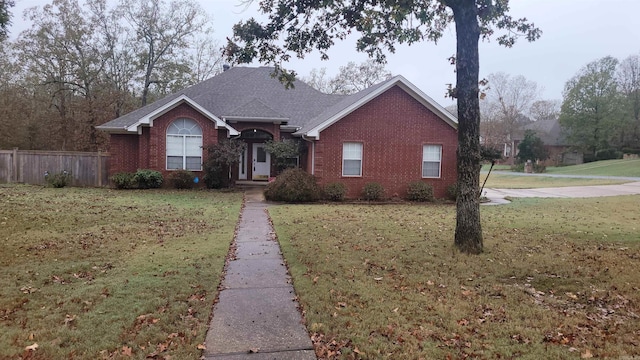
(558, 279)
(620, 167)
(98, 273)
(505, 181)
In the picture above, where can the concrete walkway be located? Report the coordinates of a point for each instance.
(497, 196)
(256, 316)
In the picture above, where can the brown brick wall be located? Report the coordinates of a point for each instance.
(148, 150)
(392, 128)
(123, 150)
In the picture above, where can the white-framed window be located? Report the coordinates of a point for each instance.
(184, 145)
(352, 159)
(431, 161)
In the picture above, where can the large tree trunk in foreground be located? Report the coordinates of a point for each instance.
(468, 237)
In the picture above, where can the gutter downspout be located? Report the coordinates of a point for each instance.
(313, 154)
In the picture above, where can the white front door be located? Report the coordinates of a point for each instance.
(261, 163)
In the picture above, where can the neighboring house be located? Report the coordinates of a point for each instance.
(390, 133)
(554, 140)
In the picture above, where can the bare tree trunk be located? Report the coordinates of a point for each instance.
(468, 236)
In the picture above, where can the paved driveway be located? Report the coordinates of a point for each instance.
(497, 196)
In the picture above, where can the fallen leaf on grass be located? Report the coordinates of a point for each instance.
(201, 347)
(377, 278)
(586, 354)
(68, 319)
(28, 289)
(31, 347)
(126, 351)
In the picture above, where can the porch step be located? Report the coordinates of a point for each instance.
(250, 183)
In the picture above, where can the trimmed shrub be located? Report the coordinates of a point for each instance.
(181, 179)
(335, 191)
(608, 154)
(123, 180)
(539, 168)
(58, 180)
(293, 185)
(631, 151)
(420, 191)
(452, 191)
(216, 176)
(148, 179)
(372, 191)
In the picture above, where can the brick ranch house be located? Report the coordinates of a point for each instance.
(391, 133)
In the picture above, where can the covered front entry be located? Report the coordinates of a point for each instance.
(255, 162)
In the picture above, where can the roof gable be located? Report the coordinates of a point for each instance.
(164, 107)
(355, 101)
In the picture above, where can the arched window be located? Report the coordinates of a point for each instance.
(184, 145)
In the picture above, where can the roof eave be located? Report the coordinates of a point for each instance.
(274, 120)
(182, 99)
(115, 130)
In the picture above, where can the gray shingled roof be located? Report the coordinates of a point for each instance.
(549, 131)
(244, 92)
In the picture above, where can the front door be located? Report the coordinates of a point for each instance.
(261, 163)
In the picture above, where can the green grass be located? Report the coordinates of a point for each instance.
(628, 168)
(504, 181)
(97, 273)
(497, 167)
(558, 279)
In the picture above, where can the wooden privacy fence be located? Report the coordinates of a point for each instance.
(29, 166)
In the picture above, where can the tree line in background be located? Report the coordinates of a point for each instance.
(84, 63)
(599, 112)
(601, 107)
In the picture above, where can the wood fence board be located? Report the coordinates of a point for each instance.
(29, 167)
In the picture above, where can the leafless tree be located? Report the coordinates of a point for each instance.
(509, 100)
(545, 110)
(350, 79)
(164, 32)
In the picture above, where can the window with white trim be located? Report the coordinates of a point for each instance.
(351, 159)
(184, 145)
(431, 161)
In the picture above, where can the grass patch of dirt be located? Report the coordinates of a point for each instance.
(104, 274)
(558, 280)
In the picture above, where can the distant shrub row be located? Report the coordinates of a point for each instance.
(296, 185)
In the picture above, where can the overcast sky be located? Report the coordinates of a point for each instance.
(575, 32)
